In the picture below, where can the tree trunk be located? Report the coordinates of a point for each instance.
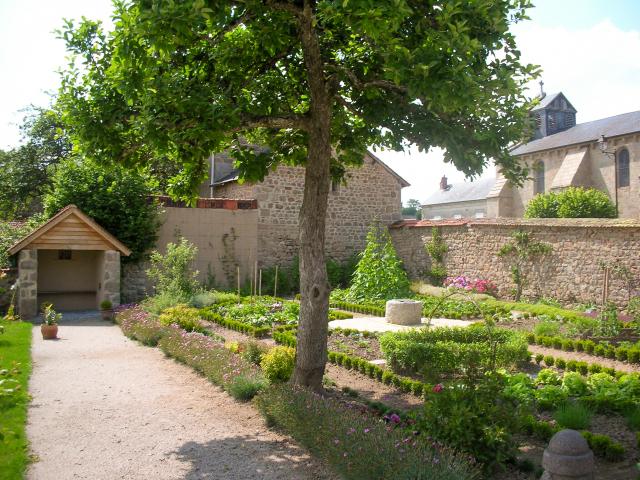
(311, 355)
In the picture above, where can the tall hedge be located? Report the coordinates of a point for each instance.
(115, 197)
(574, 202)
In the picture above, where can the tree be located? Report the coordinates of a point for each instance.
(520, 251)
(318, 82)
(574, 202)
(115, 197)
(25, 172)
(413, 208)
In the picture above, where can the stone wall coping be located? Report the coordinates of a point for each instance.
(219, 203)
(523, 222)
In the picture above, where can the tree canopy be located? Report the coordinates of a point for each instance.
(25, 171)
(317, 81)
(115, 197)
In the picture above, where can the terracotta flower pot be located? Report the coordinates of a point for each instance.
(107, 314)
(49, 332)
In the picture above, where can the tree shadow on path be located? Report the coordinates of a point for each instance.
(244, 458)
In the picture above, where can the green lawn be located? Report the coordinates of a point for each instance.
(15, 355)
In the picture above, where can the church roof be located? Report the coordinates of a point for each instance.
(462, 192)
(584, 132)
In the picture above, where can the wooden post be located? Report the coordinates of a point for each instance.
(255, 278)
(275, 284)
(260, 284)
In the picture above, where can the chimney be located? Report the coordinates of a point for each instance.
(443, 183)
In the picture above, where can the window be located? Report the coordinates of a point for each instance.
(622, 162)
(479, 214)
(437, 217)
(457, 216)
(538, 178)
(64, 254)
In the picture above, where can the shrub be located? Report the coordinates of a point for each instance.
(572, 365)
(348, 439)
(173, 273)
(632, 415)
(539, 357)
(116, 197)
(561, 364)
(379, 274)
(474, 419)
(253, 352)
(568, 345)
(574, 202)
(278, 364)
(573, 415)
(589, 346)
(441, 351)
(185, 317)
(244, 388)
(549, 360)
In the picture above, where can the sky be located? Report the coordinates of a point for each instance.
(588, 49)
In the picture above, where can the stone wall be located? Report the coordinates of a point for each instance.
(570, 273)
(225, 233)
(27, 297)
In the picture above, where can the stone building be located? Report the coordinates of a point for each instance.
(460, 200)
(69, 261)
(369, 193)
(602, 154)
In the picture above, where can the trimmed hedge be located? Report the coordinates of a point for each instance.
(257, 332)
(451, 350)
(359, 308)
(621, 353)
(583, 368)
(404, 384)
(602, 445)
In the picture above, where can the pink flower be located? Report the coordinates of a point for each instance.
(394, 418)
(438, 388)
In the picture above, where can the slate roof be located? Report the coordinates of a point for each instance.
(584, 132)
(462, 192)
(548, 98)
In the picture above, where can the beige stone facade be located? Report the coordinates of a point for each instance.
(582, 165)
(570, 273)
(370, 193)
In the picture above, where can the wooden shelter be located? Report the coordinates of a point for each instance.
(70, 261)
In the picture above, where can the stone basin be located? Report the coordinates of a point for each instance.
(403, 312)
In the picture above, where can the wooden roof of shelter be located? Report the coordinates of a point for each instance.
(70, 229)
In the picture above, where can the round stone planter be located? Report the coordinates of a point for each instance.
(403, 312)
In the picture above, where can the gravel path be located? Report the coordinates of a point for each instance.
(106, 408)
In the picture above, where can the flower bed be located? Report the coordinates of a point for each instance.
(356, 444)
(450, 351)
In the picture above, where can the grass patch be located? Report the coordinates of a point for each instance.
(573, 415)
(15, 364)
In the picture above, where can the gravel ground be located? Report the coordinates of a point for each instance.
(106, 408)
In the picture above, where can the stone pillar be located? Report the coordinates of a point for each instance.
(568, 457)
(27, 295)
(110, 280)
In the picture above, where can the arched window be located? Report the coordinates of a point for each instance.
(538, 178)
(622, 161)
